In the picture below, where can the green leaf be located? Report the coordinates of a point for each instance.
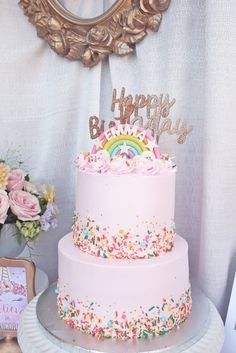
(27, 177)
(43, 203)
(11, 218)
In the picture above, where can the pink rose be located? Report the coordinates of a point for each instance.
(16, 180)
(4, 205)
(24, 205)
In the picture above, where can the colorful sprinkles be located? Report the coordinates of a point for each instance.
(97, 241)
(142, 323)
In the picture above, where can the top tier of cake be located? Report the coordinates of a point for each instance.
(125, 200)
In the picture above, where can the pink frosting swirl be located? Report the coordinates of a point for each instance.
(167, 162)
(99, 162)
(82, 161)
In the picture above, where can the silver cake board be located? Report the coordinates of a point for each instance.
(185, 336)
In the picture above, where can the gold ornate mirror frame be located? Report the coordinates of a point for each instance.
(117, 31)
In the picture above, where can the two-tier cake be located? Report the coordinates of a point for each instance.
(123, 271)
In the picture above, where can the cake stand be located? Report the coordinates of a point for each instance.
(41, 331)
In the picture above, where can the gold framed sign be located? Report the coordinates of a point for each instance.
(117, 31)
(16, 291)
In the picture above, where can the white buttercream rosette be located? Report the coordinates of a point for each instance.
(121, 165)
(146, 164)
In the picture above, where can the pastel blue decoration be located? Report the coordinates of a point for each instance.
(110, 324)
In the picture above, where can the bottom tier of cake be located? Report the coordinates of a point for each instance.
(123, 298)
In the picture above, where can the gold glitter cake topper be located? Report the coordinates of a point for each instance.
(155, 108)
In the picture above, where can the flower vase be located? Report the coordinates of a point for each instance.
(11, 245)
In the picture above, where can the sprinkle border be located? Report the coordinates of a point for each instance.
(97, 241)
(146, 322)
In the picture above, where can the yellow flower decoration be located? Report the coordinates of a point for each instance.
(4, 175)
(49, 193)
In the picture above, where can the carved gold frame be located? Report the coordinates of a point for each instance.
(90, 40)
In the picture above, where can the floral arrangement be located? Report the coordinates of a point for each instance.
(30, 206)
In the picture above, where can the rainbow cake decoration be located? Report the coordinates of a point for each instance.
(123, 270)
(124, 149)
(125, 139)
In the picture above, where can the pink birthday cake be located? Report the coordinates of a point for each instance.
(123, 270)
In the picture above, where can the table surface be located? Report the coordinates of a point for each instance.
(33, 338)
